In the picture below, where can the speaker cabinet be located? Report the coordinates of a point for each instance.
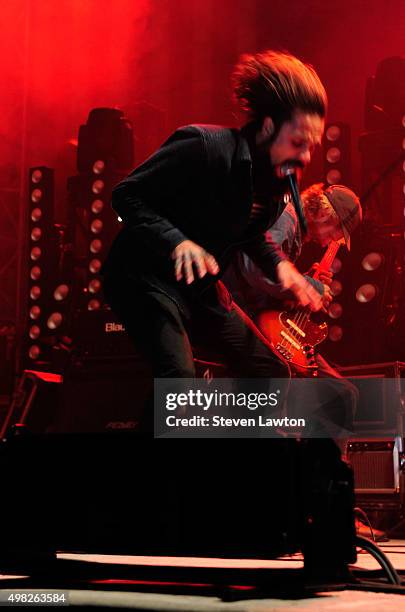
(93, 395)
(89, 397)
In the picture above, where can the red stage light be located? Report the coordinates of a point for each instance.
(336, 287)
(335, 310)
(34, 332)
(333, 177)
(36, 195)
(61, 292)
(36, 176)
(333, 155)
(366, 293)
(94, 285)
(34, 352)
(35, 253)
(335, 333)
(97, 206)
(35, 273)
(36, 234)
(336, 265)
(96, 226)
(96, 246)
(35, 292)
(93, 305)
(372, 261)
(98, 166)
(35, 312)
(97, 186)
(36, 214)
(95, 266)
(333, 133)
(54, 320)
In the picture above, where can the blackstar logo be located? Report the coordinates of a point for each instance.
(113, 327)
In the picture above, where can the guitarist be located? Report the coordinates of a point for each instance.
(331, 213)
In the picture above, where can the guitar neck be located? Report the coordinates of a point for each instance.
(328, 258)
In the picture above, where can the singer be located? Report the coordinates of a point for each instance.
(206, 193)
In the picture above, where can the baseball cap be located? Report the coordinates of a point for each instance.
(347, 207)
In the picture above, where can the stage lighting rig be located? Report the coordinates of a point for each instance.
(105, 156)
(337, 154)
(49, 287)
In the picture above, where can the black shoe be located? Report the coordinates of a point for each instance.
(326, 575)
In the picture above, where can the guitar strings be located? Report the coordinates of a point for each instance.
(303, 314)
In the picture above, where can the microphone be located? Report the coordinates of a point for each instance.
(288, 170)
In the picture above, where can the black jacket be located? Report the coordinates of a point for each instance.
(197, 186)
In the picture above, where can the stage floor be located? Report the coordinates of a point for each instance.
(187, 584)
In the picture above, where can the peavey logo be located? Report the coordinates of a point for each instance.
(122, 425)
(114, 327)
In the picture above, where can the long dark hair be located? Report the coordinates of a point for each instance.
(276, 84)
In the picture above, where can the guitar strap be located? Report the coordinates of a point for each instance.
(246, 296)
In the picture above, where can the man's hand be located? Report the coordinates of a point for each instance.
(188, 254)
(327, 296)
(325, 277)
(291, 279)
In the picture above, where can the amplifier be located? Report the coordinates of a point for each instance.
(379, 481)
(98, 333)
(381, 403)
(376, 464)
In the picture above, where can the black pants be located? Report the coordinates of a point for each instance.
(346, 394)
(328, 402)
(159, 330)
(170, 340)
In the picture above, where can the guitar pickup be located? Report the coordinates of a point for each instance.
(296, 328)
(290, 340)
